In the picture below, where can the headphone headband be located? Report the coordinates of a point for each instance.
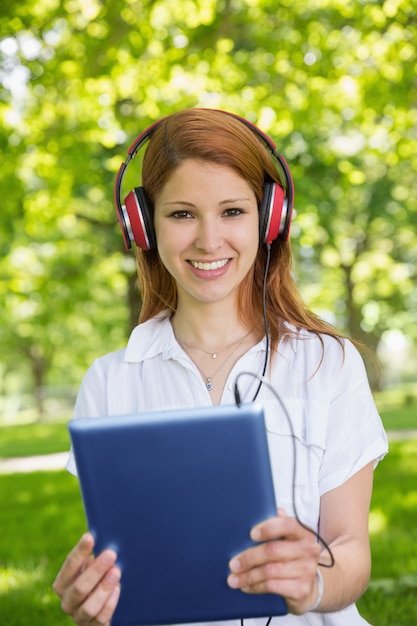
(135, 216)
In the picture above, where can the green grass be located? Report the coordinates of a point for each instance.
(398, 407)
(400, 417)
(41, 517)
(32, 439)
(391, 597)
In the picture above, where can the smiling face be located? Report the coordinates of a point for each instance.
(206, 224)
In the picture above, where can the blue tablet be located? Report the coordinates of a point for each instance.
(175, 494)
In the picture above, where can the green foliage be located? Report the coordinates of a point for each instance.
(332, 82)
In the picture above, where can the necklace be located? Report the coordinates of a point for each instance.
(209, 379)
(215, 354)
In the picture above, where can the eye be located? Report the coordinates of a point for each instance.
(233, 212)
(181, 215)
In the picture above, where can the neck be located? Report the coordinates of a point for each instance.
(209, 327)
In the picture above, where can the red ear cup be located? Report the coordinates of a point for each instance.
(134, 214)
(140, 219)
(271, 213)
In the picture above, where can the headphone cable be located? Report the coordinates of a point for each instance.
(266, 326)
(294, 469)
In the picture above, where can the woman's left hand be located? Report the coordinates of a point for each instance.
(284, 562)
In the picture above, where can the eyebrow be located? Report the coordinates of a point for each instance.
(223, 202)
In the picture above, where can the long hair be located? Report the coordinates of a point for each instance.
(215, 137)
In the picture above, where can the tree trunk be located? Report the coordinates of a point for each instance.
(39, 366)
(369, 339)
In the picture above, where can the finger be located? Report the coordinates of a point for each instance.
(299, 592)
(272, 531)
(108, 609)
(284, 565)
(74, 563)
(93, 578)
(100, 604)
(90, 559)
(281, 527)
(270, 554)
(253, 580)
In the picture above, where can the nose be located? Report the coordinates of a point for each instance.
(209, 237)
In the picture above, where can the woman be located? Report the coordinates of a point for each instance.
(211, 224)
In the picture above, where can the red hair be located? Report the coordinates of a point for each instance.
(215, 137)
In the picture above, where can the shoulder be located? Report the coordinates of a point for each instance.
(146, 340)
(304, 341)
(314, 352)
(110, 384)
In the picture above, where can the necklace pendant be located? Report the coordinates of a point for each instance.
(209, 384)
(214, 355)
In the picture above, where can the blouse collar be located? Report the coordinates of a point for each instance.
(156, 337)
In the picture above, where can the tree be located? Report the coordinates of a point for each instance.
(333, 82)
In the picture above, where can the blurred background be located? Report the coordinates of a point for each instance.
(333, 82)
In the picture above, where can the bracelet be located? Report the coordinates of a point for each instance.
(320, 590)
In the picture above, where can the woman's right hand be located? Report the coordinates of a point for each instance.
(89, 587)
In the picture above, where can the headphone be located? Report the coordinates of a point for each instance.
(135, 214)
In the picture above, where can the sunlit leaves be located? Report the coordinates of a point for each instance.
(333, 82)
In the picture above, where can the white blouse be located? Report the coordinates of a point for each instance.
(327, 397)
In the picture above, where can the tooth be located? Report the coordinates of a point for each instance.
(209, 266)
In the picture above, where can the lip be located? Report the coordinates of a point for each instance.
(209, 269)
(208, 265)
